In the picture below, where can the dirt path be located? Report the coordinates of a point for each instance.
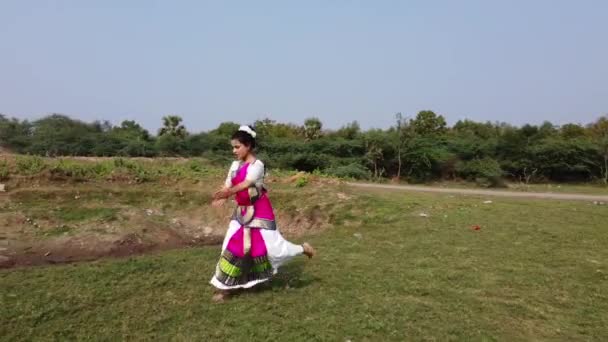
(500, 193)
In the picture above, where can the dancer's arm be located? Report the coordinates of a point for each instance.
(218, 201)
(227, 192)
(254, 173)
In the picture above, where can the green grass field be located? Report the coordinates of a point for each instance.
(535, 270)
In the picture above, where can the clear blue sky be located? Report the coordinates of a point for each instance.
(511, 60)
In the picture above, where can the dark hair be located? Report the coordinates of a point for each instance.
(245, 138)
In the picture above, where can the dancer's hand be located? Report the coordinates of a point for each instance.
(222, 194)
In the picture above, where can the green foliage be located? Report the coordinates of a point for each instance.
(572, 131)
(309, 162)
(564, 160)
(170, 145)
(129, 139)
(312, 128)
(199, 144)
(80, 214)
(419, 149)
(269, 129)
(485, 172)
(14, 134)
(122, 169)
(337, 147)
(225, 129)
(4, 170)
(59, 135)
(301, 182)
(29, 165)
(481, 130)
(355, 171)
(59, 230)
(469, 146)
(80, 170)
(424, 158)
(70, 169)
(350, 131)
(172, 126)
(429, 123)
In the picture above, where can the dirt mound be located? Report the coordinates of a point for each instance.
(46, 220)
(89, 247)
(93, 247)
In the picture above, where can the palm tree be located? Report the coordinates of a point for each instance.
(172, 126)
(312, 129)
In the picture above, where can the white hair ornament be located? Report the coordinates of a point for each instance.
(248, 129)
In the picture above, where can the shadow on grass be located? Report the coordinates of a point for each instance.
(290, 276)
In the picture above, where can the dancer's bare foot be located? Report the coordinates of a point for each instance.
(220, 296)
(308, 250)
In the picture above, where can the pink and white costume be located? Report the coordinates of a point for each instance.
(253, 248)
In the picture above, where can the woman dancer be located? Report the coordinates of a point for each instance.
(253, 248)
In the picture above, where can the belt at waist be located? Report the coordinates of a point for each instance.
(245, 215)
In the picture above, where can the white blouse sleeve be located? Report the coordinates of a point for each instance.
(233, 167)
(255, 172)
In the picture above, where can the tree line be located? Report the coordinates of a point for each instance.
(417, 149)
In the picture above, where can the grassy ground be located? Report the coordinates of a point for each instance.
(535, 270)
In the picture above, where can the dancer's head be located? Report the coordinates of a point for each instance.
(243, 142)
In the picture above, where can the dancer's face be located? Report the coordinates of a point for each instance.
(240, 150)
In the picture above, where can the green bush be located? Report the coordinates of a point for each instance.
(142, 173)
(485, 172)
(307, 162)
(4, 170)
(119, 162)
(133, 168)
(69, 169)
(356, 171)
(80, 170)
(565, 160)
(29, 165)
(301, 182)
(102, 169)
(424, 158)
